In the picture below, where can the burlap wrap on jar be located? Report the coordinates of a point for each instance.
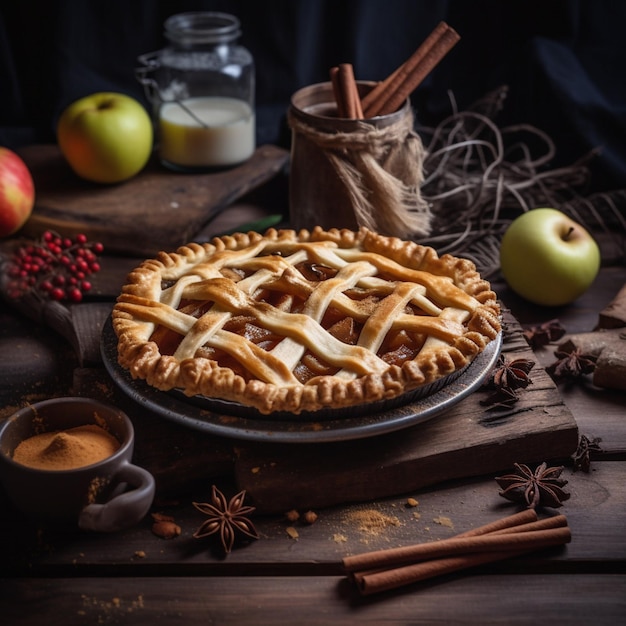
(348, 173)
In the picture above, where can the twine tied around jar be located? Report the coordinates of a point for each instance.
(381, 170)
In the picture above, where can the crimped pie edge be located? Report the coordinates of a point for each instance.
(200, 376)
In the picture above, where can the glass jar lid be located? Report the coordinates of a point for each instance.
(201, 27)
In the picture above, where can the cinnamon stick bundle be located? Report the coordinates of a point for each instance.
(514, 535)
(390, 93)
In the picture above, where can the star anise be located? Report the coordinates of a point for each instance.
(571, 364)
(541, 487)
(226, 517)
(511, 375)
(506, 378)
(543, 334)
(581, 457)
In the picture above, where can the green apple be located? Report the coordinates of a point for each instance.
(105, 137)
(548, 258)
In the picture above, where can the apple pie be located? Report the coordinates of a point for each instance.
(302, 321)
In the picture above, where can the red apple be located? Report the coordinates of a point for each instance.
(17, 192)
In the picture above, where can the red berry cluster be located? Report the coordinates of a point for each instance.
(56, 267)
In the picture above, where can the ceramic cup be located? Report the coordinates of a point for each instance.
(106, 496)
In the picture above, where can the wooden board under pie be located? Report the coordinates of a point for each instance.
(467, 441)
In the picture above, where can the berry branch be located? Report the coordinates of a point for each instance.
(55, 267)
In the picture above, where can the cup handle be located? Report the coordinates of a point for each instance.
(124, 510)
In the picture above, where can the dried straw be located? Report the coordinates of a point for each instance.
(479, 177)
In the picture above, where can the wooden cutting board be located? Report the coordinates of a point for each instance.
(156, 210)
(466, 441)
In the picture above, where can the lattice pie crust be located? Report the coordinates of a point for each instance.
(301, 321)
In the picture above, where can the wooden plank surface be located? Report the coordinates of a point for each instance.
(481, 598)
(156, 210)
(595, 512)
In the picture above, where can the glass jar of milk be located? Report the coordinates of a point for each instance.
(201, 87)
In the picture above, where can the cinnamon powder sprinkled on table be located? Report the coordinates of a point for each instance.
(102, 611)
(371, 521)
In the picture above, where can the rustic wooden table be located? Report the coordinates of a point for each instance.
(294, 570)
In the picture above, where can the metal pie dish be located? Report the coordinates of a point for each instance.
(237, 409)
(232, 419)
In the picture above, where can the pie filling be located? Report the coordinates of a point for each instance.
(302, 321)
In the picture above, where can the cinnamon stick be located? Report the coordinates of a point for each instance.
(376, 582)
(334, 80)
(375, 99)
(526, 537)
(411, 73)
(348, 84)
(556, 521)
(346, 92)
(510, 521)
(511, 542)
(526, 519)
(505, 538)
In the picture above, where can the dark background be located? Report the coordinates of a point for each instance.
(564, 61)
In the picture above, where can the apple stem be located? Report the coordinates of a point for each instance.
(568, 233)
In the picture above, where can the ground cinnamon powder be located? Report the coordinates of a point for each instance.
(66, 449)
(371, 521)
